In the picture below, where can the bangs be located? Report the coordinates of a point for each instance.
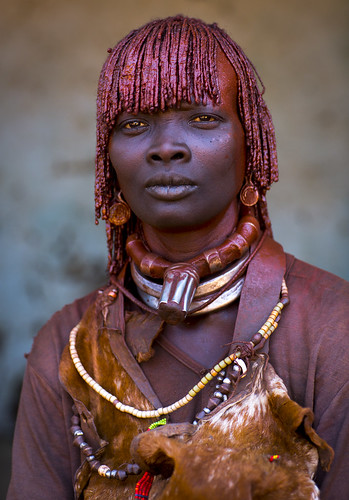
(158, 68)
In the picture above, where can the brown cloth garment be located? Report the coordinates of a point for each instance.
(309, 351)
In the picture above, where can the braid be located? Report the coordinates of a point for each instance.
(157, 67)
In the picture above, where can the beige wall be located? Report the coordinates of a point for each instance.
(52, 52)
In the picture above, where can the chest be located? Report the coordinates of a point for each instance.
(183, 353)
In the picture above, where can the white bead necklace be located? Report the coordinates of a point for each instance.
(264, 332)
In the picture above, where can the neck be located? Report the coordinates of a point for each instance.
(179, 246)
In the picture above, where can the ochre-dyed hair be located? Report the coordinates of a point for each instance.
(158, 66)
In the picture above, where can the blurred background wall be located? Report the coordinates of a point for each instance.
(51, 55)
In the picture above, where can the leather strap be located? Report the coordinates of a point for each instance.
(130, 365)
(116, 331)
(181, 356)
(261, 290)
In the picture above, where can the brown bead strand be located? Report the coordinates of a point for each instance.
(224, 389)
(96, 465)
(237, 370)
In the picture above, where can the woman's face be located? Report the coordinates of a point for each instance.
(182, 168)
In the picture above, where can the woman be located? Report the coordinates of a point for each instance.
(185, 154)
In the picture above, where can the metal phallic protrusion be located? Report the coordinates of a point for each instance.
(178, 290)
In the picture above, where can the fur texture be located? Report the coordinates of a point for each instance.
(227, 455)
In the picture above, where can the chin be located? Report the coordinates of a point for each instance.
(172, 225)
(179, 223)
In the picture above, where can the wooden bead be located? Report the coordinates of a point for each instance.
(235, 373)
(200, 415)
(78, 440)
(95, 464)
(75, 428)
(121, 475)
(285, 300)
(256, 339)
(133, 469)
(87, 451)
(225, 389)
(213, 403)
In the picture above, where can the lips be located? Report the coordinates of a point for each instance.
(170, 187)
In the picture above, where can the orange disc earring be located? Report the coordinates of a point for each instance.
(119, 212)
(249, 193)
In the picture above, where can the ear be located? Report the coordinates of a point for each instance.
(298, 419)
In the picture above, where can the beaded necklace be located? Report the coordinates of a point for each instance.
(224, 388)
(263, 334)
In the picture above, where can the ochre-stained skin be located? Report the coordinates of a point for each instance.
(228, 455)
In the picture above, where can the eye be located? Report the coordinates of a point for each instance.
(205, 121)
(204, 118)
(134, 124)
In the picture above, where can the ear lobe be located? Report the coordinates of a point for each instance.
(155, 453)
(298, 419)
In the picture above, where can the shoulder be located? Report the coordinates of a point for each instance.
(314, 328)
(50, 341)
(315, 324)
(314, 276)
(315, 287)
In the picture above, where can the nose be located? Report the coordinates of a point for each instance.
(168, 151)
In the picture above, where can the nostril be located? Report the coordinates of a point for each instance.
(156, 157)
(178, 156)
(168, 152)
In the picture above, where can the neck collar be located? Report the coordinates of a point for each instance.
(181, 280)
(150, 291)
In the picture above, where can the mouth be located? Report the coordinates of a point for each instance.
(170, 187)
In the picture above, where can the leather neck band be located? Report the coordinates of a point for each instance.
(181, 280)
(208, 262)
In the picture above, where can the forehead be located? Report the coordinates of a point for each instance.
(150, 73)
(195, 92)
(227, 79)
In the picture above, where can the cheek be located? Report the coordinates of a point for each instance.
(122, 166)
(230, 158)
